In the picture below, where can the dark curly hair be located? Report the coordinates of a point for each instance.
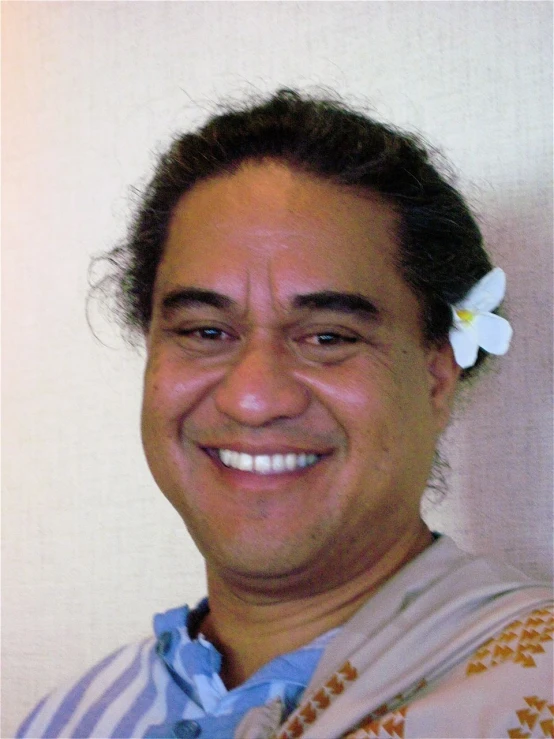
(441, 253)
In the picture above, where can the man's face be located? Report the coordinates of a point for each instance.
(291, 408)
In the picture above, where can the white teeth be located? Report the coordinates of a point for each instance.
(290, 461)
(226, 455)
(266, 464)
(278, 463)
(246, 462)
(262, 463)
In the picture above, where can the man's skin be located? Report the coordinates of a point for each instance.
(282, 326)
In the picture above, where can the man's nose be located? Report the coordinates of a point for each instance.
(260, 387)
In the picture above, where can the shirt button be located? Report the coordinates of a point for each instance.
(164, 643)
(187, 729)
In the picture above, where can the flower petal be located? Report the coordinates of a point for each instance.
(487, 294)
(493, 333)
(465, 346)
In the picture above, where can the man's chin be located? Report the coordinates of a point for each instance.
(264, 567)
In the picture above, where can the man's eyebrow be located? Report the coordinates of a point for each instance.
(352, 303)
(190, 297)
(330, 300)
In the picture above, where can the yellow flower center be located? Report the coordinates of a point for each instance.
(466, 316)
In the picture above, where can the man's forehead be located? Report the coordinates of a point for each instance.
(316, 220)
(271, 194)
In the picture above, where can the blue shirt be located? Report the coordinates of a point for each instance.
(169, 686)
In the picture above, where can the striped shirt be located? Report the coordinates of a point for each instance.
(169, 686)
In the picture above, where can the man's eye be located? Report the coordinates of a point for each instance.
(331, 339)
(211, 333)
(327, 346)
(208, 333)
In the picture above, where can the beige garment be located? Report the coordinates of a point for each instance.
(453, 646)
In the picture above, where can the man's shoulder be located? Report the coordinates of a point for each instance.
(502, 688)
(452, 635)
(76, 705)
(121, 692)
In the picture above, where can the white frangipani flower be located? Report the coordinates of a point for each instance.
(474, 324)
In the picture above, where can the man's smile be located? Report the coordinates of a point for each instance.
(265, 464)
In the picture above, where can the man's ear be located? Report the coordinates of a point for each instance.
(444, 374)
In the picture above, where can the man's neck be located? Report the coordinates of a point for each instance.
(250, 631)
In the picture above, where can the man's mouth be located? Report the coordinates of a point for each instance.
(266, 464)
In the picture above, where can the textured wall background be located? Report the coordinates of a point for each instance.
(91, 91)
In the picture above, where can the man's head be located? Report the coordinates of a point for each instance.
(292, 269)
(292, 403)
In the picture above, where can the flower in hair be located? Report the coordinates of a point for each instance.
(475, 325)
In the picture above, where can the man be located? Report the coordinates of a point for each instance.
(311, 292)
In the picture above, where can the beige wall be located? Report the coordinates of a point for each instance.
(91, 549)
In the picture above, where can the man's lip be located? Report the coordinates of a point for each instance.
(269, 449)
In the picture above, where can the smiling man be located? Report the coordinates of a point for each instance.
(311, 292)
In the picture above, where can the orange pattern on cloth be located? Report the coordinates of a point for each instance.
(537, 712)
(388, 719)
(392, 725)
(319, 702)
(517, 643)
